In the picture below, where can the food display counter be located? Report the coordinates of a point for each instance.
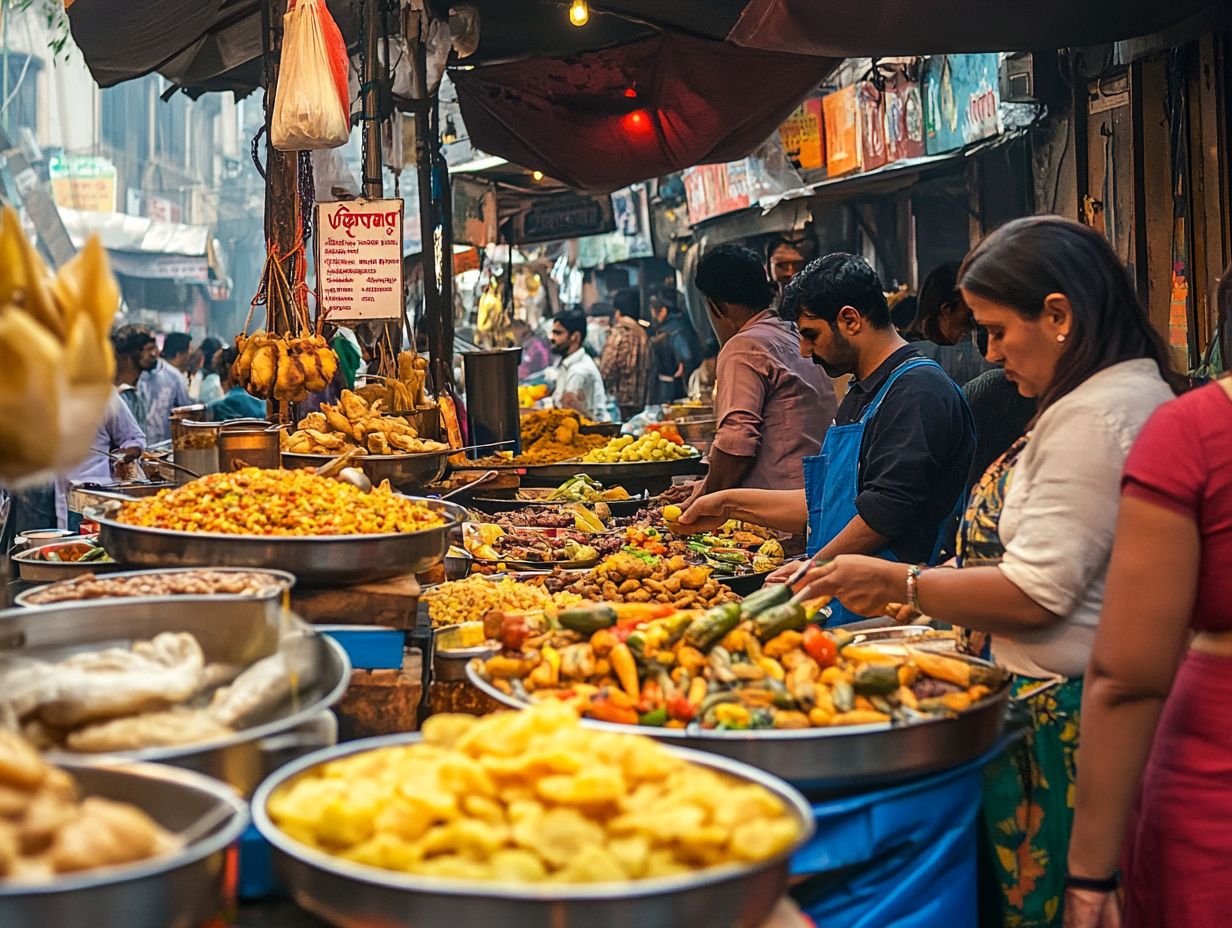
(868, 744)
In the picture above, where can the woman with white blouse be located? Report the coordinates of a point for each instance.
(1033, 547)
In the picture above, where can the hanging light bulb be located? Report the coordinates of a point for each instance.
(449, 134)
(537, 176)
(579, 12)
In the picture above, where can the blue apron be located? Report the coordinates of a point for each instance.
(832, 482)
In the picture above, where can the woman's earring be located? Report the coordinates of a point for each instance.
(1060, 338)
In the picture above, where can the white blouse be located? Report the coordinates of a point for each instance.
(1060, 511)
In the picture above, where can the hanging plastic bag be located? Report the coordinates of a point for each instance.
(311, 108)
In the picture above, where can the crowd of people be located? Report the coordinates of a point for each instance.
(1014, 459)
(1018, 460)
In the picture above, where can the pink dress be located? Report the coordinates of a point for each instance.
(1181, 840)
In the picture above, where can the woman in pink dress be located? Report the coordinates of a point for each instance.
(1161, 669)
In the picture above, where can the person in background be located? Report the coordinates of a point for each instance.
(236, 403)
(773, 406)
(625, 363)
(536, 355)
(701, 384)
(892, 471)
(204, 387)
(784, 260)
(1034, 544)
(177, 351)
(163, 388)
(579, 385)
(1159, 682)
(675, 349)
(943, 326)
(136, 352)
(1002, 416)
(120, 434)
(598, 326)
(350, 356)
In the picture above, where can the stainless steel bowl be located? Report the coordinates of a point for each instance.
(180, 890)
(403, 471)
(820, 760)
(356, 896)
(231, 630)
(313, 559)
(279, 582)
(32, 568)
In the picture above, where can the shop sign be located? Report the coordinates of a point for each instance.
(160, 266)
(904, 119)
(714, 189)
(359, 259)
(83, 182)
(802, 136)
(841, 113)
(474, 211)
(962, 101)
(562, 216)
(161, 209)
(872, 126)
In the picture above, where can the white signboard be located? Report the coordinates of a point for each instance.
(359, 259)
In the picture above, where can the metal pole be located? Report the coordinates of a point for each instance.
(4, 100)
(438, 316)
(374, 185)
(281, 177)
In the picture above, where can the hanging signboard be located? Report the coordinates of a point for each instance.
(359, 259)
(904, 118)
(714, 189)
(872, 126)
(561, 216)
(802, 136)
(962, 101)
(83, 182)
(841, 116)
(474, 211)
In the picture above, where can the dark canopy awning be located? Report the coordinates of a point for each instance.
(603, 119)
(908, 27)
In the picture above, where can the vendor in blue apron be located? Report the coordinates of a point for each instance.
(893, 468)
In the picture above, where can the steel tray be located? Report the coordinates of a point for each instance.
(821, 760)
(355, 896)
(403, 471)
(36, 570)
(231, 630)
(313, 559)
(180, 890)
(279, 582)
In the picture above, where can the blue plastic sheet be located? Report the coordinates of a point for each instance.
(901, 857)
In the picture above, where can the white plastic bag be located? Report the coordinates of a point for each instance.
(311, 105)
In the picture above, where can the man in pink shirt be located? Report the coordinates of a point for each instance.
(773, 406)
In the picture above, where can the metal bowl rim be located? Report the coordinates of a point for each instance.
(219, 840)
(446, 509)
(581, 892)
(24, 556)
(326, 458)
(670, 735)
(171, 753)
(285, 581)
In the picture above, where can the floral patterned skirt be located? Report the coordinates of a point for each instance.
(1028, 809)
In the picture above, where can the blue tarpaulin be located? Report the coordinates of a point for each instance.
(901, 857)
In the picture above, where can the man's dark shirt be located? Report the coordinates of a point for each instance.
(915, 457)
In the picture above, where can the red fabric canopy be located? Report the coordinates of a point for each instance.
(604, 119)
(908, 27)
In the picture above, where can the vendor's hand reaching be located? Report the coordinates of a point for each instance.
(680, 492)
(865, 585)
(783, 573)
(705, 514)
(1087, 909)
